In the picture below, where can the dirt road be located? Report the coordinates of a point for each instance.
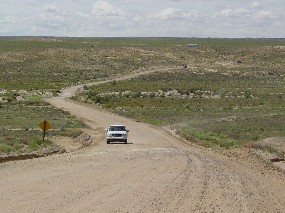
(154, 172)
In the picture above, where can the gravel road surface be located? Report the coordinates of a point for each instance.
(154, 172)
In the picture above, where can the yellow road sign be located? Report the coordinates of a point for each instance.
(45, 125)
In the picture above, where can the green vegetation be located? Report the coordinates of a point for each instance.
(38, 63)
(229, 92)
(210, 139)
(221, 110)
(54, 63)
(19, 120)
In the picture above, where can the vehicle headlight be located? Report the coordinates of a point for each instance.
(109, 135)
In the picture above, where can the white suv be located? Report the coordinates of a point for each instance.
(117, 133)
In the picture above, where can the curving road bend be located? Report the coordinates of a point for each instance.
(154, 172)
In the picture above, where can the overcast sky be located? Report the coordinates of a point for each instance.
(143, 18)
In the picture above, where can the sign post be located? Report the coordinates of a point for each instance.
(44, 125)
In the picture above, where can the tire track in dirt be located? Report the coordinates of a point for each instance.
(156, 172)
(205, 183)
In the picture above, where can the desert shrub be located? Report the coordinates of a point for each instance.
(212, 139)
(6, 148)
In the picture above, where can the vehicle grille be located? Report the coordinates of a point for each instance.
(117, 135)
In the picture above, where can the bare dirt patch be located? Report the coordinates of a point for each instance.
(271, 150)
(67, 143)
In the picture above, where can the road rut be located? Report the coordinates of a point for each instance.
(154, 172)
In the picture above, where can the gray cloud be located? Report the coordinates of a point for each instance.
(105, 9)
(255, 5)
(264, 14)
(51, 9)
(234, 12)
(201, 18)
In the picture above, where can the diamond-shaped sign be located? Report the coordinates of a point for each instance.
(45, 125)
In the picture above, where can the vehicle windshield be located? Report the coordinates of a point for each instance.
(117, 128)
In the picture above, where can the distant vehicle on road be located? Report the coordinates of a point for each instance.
(117, 133)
